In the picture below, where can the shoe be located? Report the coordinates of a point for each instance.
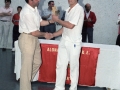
(3, 49)
(13, 49)
(108, 88)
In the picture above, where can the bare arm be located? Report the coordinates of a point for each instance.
(66, 24)
(37, 33)
(6, 14)
(44, 23)
(58, 33)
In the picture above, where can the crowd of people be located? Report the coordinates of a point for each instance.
(77, 25)
(6, 16)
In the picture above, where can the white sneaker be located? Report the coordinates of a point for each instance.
(13, 49)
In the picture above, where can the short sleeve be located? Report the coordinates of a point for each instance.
(77, 14)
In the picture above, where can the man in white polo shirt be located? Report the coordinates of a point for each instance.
(70, 45)
(28, 42)
(5, 19)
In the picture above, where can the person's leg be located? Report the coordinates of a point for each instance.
(84, 34)
(1, 31)
(90, 35)
(74, 50)
(14, 35)
(6, 33)
(27, 45)
(62, 63)
(118, 40)
(37, 59)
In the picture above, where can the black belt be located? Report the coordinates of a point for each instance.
(4, 20)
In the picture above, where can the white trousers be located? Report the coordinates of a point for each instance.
(4, 32)
(68, 52)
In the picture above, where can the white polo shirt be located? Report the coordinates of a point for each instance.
(76, 17)
(29, 19)
(6, 18)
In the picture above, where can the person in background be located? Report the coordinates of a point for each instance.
(46, 15)
(70, 45)
(118, 37)
(89, 21)
(5, 20)
(15, 21)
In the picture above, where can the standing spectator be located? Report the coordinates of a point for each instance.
(51, 28)
(5, 19)
(70, 45)
(15, 21)
(118, 37)
(89, 21)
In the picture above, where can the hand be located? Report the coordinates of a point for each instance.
(1, 14)
(89, 20)
(48, 35)
(55, 18)
(51, 21)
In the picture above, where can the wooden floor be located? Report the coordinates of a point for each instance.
(7, 76)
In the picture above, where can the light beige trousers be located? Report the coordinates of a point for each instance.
(31, 59)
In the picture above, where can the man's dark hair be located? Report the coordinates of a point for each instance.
(50, 2)
(26, 1)
(19, 7)
(7, 1)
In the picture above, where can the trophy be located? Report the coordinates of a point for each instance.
(55, 11)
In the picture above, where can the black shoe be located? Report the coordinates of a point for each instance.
(3, 49)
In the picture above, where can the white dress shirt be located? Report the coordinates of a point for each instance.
(29, 19)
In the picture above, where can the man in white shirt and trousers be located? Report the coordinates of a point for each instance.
(29, 24)
(70, 45)
(5, 20)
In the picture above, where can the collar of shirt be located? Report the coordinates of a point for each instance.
(71, 8)
(87, 14)
(33, 9)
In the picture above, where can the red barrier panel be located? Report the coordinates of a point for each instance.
(88, 63)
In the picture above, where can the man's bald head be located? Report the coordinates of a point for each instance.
(87, 7)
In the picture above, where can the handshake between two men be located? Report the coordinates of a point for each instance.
(55, 18)
(48, 35)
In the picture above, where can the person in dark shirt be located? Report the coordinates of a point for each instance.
(15, 21)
